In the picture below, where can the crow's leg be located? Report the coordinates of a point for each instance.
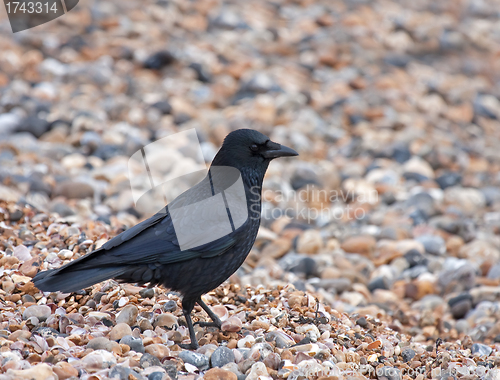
(216, 322)
(187, 307)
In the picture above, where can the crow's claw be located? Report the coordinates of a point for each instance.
(208, 324)
(189, 346)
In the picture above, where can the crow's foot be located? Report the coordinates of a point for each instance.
(189, 346)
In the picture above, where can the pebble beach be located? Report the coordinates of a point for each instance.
(378, 255)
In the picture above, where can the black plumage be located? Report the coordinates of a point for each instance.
(150, 252)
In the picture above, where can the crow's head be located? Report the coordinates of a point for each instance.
(247, 148)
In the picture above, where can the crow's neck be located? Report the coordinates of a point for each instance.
(252, 179)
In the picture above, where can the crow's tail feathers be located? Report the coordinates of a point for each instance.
(66, 280)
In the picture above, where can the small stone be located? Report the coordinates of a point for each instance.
(232, 324)
(479, 349)
(74, 190)
(221, 356)
(124, 373)
(306, 265)
(39, 372)
(378, 283)
(494, 272)
(362, 322)
(42, 312)
(100, 343)
(22, 253)
(449, 179)
(219, 374)
(163, 106)
(256, 371)
(415, 258)
(31, 267)
(277, 248)
(388, 373)
(159, 60)
(170, 306)
(169, 320)
(98, 360)
(157, 350)
(200, 361)
(460, 309)
(310, 242)
(144, 325)
(434, 245)
(119, 331)
(423, 202)
(147, 293)
(19, 334)
(158, 375)
(34, 125)
(135, 344)
(359, 244)
(148, 360)
(408, 354)
(128, 315)
(272, 361)
(64, 370)
(26, 298)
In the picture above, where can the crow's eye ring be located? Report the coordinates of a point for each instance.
(254, 147)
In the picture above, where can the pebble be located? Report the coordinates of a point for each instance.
(128, 315)
(39, 372)
(200, 361)
(359, 244)
(434, 245)
(98, 360)
(100, 343)
(232, 324)
(170, 306)
(148, 360)
(166, 319)
(219, 374)
(64, 370)
(221, 356)
(135, 344)
(157, 350)
(408, 354)
(42, 312)
(480, 349)
(124, 373)
(119, 331)
(147, 293)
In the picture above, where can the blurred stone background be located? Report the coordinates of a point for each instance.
(393, 106)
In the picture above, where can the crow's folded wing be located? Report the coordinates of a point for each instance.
(152, 241)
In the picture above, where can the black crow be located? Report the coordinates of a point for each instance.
(191, 246)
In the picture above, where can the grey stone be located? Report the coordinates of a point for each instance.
(388, 373)
(147, 293)
(124, 373)
(221, 356)
(42, 312)
(408, 354)
(170, 306)
(198, 360)
(433, 244)
(100, 343)
(423, 202)
(481, 349)
(148, 360)
(378, 283)
(134, 343)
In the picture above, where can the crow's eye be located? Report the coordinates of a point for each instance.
(254, 147)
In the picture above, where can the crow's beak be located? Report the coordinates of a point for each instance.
(279, 151)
